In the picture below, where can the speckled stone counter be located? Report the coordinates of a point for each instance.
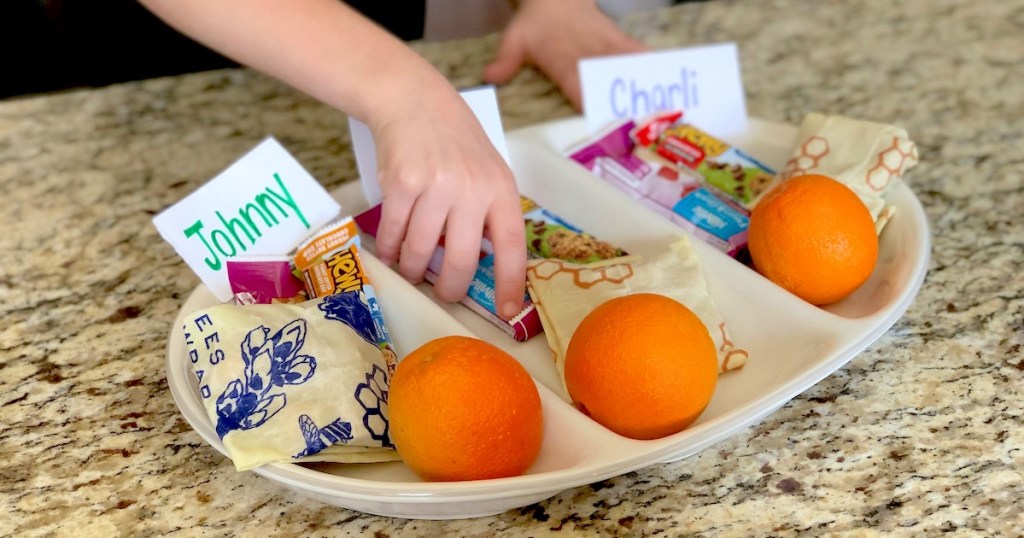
(920, 434)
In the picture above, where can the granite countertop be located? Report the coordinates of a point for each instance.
(920, 434)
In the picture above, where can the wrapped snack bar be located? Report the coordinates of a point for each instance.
(548, 236)
(700, 194)
(565, 292)
(329, 264)
(870, 158)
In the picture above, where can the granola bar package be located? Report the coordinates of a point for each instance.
(565, 292)
(329, 265)
(719, 164)
(870, 158)
(676, 192)
(547, 236)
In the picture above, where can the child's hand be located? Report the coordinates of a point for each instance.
(439, 174)
(554, 35)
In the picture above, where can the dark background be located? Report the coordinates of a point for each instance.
(52, 45)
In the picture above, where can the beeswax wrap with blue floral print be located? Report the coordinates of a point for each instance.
(294, 382)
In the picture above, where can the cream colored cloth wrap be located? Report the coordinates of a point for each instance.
(870, 158)
(293, 382)
(565, 293)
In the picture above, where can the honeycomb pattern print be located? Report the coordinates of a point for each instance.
(373, 397)
(812, 151)
(582, 277)
(892, 161)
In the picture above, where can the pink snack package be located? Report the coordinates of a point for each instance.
(679, 194)
(264, 280)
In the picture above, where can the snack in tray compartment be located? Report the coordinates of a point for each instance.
(293, 382)
(548, 236)
(690, 195)
(264, 280)
(721, 165)
(869, 158)
(329, 264)
(642, 365)
(565, 292)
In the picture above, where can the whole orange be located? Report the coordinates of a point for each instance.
(813, 236)
(642, 365)
(462, 409)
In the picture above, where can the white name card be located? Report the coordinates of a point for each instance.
(483, 101)
(702, 81)
(263, 204)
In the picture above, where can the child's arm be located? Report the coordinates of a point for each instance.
(438, 171)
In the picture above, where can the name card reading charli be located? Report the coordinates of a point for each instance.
(263, 204)
(702, 81)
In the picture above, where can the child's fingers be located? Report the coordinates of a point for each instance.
(461, 251)
(395, 213)
(421, 238)
(505, 222)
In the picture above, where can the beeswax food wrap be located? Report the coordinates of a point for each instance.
(870, 158)
(565, 292)
(293, 382)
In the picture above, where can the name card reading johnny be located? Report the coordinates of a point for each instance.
(704, 82)
(263, 204)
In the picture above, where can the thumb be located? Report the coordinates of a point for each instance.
(510, 57)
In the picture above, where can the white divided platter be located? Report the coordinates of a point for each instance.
(792, 344)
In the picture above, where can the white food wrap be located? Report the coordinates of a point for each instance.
(565, 293)
(869, 158)
(294, 382)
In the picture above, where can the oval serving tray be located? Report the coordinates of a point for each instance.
(792, 344)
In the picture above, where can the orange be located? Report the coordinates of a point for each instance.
(642, 365)
(462, 409)
(813, 236)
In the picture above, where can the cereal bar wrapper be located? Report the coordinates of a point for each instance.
(870, 158)
(550, 236)
(329, 264)
(293, 382)
(675, 191)
(719, 164)
(547, 236)
(565, 292)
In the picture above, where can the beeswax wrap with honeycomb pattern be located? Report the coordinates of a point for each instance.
(293, 382)
(870, 158)
(565, 293)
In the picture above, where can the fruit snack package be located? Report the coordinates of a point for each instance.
(547, 236)
(719, 164)
(304, 382)
(677, 193)
(565, 292)
(869, 158)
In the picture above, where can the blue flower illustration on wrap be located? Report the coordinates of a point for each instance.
(350, 309)
(373, 397)
(270, 365)
(317, 439)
